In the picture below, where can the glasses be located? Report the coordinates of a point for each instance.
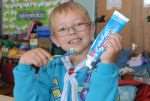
(78, 27)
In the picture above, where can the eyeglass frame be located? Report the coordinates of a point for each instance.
(74, 27)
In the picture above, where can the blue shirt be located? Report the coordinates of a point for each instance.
(47, 84)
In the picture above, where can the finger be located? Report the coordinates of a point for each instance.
(114, 44)
(35, 63)
(45, 53)
(116, 40)
(108, 44)
(36, 58)
(105, 44)
(42, 57)
(117, 36)
(111, 45)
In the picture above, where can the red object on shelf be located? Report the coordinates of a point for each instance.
(129, 82)
(143, 93)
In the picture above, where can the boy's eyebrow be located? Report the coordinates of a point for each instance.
(80, 19)
(61, 25)
(76, 19)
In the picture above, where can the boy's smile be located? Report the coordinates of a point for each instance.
(75, 41)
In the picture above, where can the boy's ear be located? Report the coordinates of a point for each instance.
(54, 40)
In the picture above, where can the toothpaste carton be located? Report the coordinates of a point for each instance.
(115, 25)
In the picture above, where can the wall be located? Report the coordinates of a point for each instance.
(90, 5)
(137, 31)
(0, 16)
(146, 13)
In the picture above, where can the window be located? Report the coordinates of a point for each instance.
(146, 3)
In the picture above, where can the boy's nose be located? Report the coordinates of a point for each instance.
(71, 30)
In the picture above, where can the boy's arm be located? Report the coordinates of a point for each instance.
(104, 83)
(30, 86)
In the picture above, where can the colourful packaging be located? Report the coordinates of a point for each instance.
(115, 25)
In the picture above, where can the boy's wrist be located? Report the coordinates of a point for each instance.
(22, 61)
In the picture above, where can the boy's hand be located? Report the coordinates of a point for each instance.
(112, 47)
(36, 57)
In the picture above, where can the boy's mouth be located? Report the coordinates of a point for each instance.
(75, 41)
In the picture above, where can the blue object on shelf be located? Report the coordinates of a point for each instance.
(43, 31)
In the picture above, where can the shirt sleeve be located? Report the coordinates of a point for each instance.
(104, 83)
(30, 86)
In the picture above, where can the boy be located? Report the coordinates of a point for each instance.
(65, 78)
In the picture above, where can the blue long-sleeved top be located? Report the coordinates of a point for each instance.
(47, 84)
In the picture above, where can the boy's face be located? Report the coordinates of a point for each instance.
(72, 30)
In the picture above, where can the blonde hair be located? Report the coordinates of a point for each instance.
(66, 7)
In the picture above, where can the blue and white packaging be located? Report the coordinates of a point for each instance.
(115, 25)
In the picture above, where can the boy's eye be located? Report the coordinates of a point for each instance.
(62, 29)
(79, 24)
